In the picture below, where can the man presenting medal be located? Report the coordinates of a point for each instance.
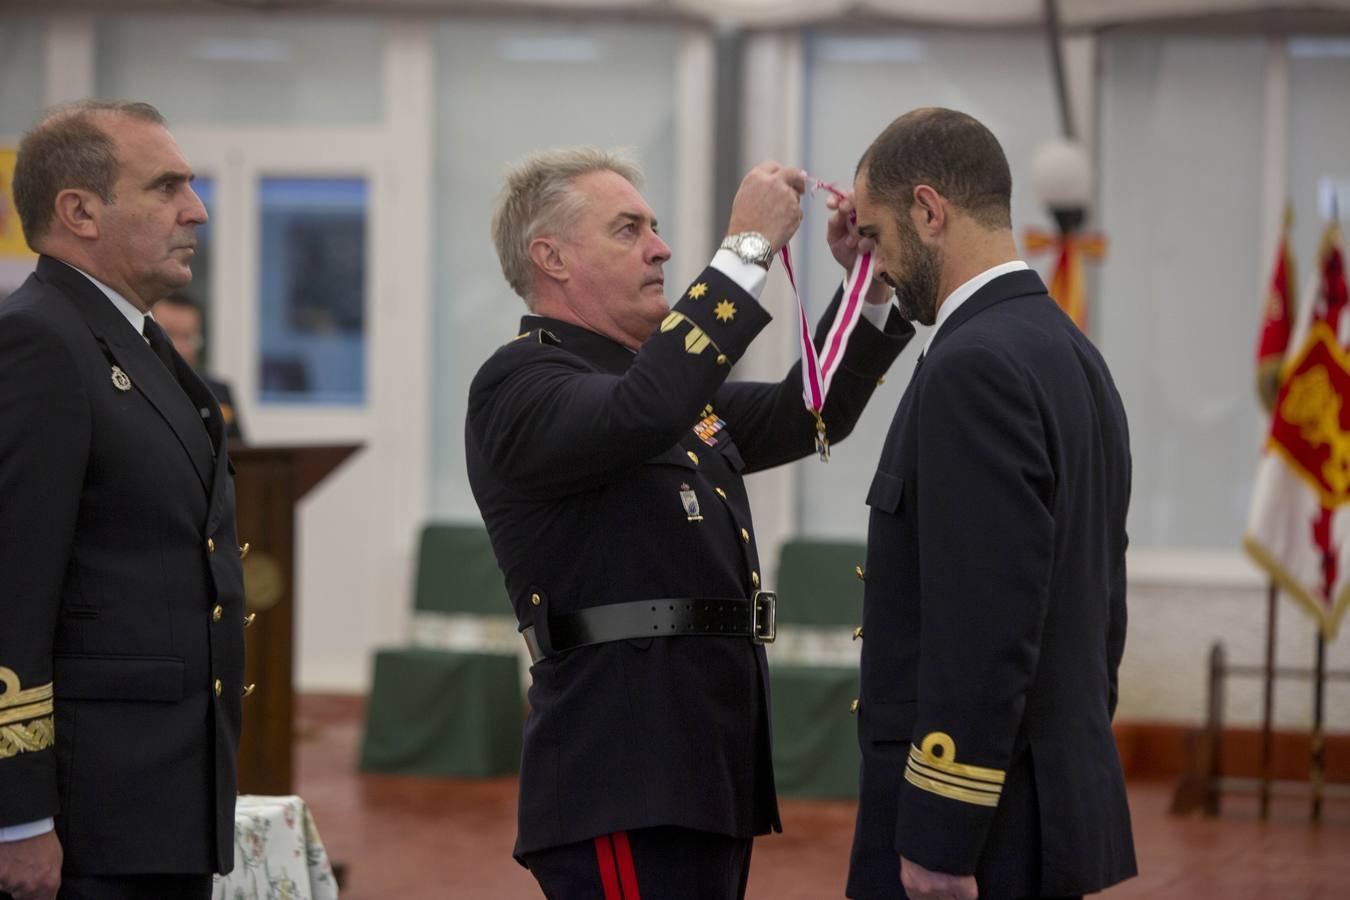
(606, 450)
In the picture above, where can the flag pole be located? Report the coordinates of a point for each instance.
(1268, 705)
(1318, 741)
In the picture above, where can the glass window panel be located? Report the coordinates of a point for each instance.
(1181, 289)
(312, 293)
(1318, 135)
(504, 90)
(256, 70)
(857, 83)
(22, 77)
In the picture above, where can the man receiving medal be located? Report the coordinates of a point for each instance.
(994, 608)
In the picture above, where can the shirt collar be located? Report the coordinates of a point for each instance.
(124, 306)
(967, 290)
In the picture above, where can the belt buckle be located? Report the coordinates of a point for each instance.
(764, 617)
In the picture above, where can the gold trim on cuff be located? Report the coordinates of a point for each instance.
(38, 734)
(24, 713)
(978, 798)
(945, 761)
(917, 765)
(16, 695)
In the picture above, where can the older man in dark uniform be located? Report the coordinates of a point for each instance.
(606, 450)
(121, 592)
(994, 609)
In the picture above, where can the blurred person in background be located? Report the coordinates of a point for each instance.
(181, 318)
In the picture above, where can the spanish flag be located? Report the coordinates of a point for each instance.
(1278, 319)
(1298, 528)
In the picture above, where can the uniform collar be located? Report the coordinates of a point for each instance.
(589, 345)
(966, 291)
(124, 306)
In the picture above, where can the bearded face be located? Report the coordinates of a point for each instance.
(916, 288)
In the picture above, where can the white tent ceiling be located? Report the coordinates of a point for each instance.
(1258, 15)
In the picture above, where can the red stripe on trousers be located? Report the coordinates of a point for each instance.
(609, 878)
(627, 873)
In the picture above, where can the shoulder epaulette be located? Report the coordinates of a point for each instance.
(542, 335)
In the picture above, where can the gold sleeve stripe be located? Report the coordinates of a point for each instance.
(29, 737)
(916, 764)
(978, 798)
(15, 694)
(24, 713)
(938, 751)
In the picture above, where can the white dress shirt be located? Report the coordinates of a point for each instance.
(966, 291)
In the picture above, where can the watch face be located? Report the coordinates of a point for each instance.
(755, 245)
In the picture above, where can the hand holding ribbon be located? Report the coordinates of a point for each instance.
(855, 254)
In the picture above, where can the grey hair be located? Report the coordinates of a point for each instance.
(67, 149)
(540, 197)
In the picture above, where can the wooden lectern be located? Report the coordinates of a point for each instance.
(269, 482)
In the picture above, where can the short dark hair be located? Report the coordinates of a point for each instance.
(182, 301)
(949, 151)
(67, 149)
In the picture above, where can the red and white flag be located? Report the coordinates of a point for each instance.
(1277, 319)
(1299, 525)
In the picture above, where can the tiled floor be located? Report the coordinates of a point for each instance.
(421, 839)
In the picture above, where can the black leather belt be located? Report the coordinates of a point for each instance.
(754, 618)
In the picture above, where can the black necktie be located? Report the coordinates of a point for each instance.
(159, 342)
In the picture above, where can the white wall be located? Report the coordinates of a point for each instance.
(1179, 605)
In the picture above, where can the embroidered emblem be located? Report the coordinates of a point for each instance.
(695, 340)
(26, 723)
(932, 767)
(707, 428)
(689, 500)
(697, 291)
(725, 311)
(120, 379)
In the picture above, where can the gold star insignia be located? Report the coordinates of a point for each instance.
(725, 311)
(698, 290)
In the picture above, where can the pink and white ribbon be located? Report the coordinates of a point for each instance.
(818, 371)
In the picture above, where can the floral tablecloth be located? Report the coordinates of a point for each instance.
(278, 854)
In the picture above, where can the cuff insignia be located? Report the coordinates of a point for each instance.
(933, 767)
(26, 722)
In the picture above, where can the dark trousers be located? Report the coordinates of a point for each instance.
(663, 863)
(132, 887)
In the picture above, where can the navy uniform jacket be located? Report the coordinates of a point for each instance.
(121, 592)
(578, 451)
(994, 611)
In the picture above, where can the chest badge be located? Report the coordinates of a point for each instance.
(120, 379)
(689, 500)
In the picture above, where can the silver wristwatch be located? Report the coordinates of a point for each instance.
(750, 246)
